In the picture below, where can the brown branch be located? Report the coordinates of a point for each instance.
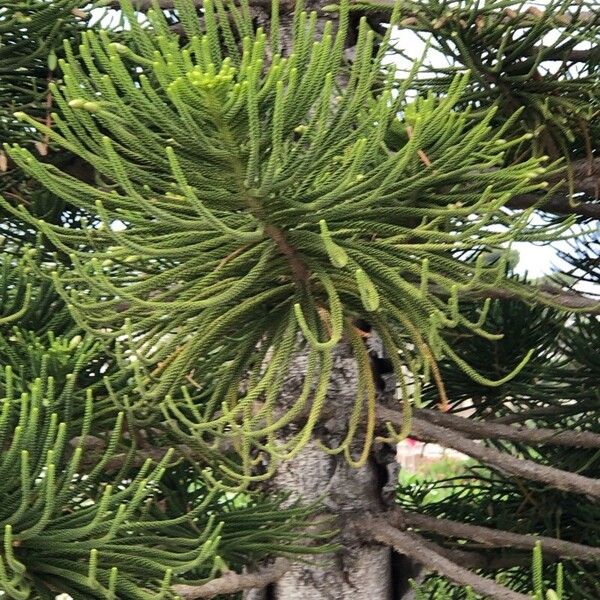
(420, 19)
(478, 560)
(547, 293)
(231, 582)
(564, 53)
(558, 204)
(409, 15)
(586, 178)
(299, 269)
(492, 538)
(506, 463)
(570, 55)
(469, 559)
(415, 547)
(484, 429)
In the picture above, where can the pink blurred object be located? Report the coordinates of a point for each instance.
(413, 455)
(407, 452)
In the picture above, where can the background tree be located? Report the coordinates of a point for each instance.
(256, 221)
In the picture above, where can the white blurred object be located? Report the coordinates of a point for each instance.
(412, 454)
(407, 452)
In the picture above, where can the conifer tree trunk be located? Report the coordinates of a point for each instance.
(361, 569)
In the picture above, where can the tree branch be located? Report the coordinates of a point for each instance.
(549, 293)
(231, 582)
(558, 204)
(506, 463)
(479, 560)
(586, 177)
(570, 55)
(415, 547)
(484, 429)
(470, 559)
(492, 538)
(381, 9)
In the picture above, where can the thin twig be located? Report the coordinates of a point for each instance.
(231, 582)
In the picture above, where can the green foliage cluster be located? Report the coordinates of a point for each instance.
(201, 208)
(81, 513)
(31, 34)
(31, 44)
(270, 212)
(557, 389)
(521, 59)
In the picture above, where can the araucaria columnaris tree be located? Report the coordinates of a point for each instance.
(222, 220)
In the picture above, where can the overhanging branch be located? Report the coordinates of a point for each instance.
(585, 173)
(492, 538)
(418, 549)
(485, 430)
(548, 294)
(499, 560)
(543, 411)
(381, 9)
(503, 462)
(558, 204)
(145, 5)
(568, 55)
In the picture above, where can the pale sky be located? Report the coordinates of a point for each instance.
(534, 259)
